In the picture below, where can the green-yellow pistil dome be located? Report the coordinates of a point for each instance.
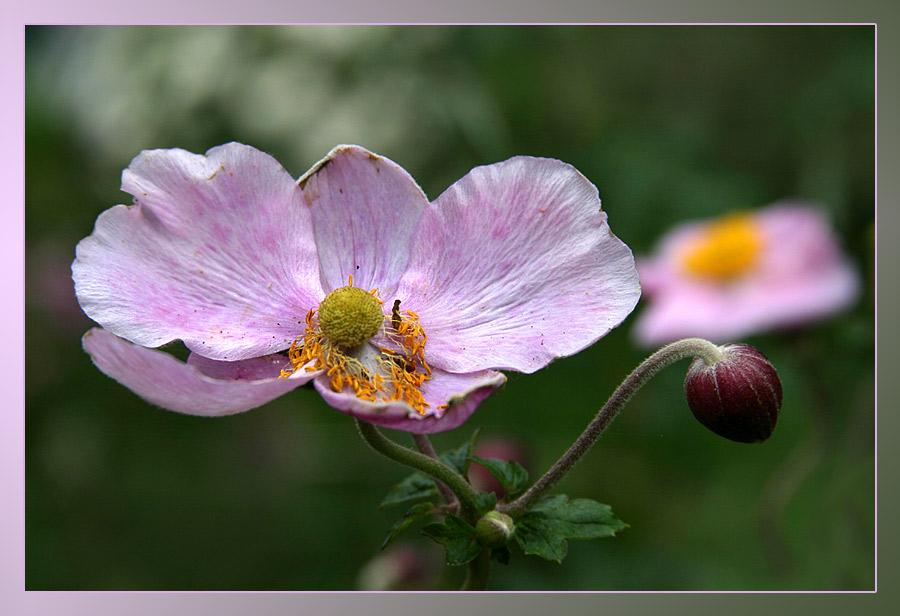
(349, 316)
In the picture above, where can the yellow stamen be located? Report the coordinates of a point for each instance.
(726, 249)
(337, 383)
(398, 373)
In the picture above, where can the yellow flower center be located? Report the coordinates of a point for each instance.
(349, 316)
(335, 341)
(726, 249)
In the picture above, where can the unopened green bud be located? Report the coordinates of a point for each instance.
(494, 529)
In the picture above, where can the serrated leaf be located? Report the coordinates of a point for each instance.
(457, 537)
(512, 476)
(545, 530)
(484, 502)
(409, 518)
(458, 459)
(413, 487)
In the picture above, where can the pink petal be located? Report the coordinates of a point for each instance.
(217, 251)
(802, 276)
(798, 239)
(515, 265)
(465, 390)
(160, 379)
(364, 211)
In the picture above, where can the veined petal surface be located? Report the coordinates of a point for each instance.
(217, 251)
(515, 265)
(165, 381)
(364, 211)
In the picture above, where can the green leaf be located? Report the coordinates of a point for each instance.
(545, 530)
(458, 458)
(458, 537)
(484, 502)
(413, 487)
(409, 518)
(511, 475)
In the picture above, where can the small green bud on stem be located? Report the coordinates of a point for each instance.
(494, 529)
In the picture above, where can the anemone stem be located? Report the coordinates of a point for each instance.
(479, 572)
(424, 445)
(669, 354)
(432, 467)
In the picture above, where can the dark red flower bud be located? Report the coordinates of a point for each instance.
(738, 397)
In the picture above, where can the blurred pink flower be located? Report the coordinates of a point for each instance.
(744, 273)
(401, 567)
(272, 283)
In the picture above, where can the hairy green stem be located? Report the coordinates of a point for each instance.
(430, 466)
(424, 445)
(669, 354)
(479, 572)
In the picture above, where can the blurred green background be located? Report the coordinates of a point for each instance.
(671, 123)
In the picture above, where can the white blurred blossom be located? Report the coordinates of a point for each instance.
(299, 90)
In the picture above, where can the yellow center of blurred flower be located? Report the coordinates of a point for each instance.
(335, 341)
(725, 250)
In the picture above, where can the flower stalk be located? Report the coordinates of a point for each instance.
(453, 486)
(424, 445)
(479, 572)
(667, 355)
(432, 467)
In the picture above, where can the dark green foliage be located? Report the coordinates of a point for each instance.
(411, 517)
(458, 537)
(546, 529)
(511, 475)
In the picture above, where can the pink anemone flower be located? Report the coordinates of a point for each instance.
(400, 311)
(744, 273)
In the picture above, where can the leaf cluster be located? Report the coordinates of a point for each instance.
(543, 531)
